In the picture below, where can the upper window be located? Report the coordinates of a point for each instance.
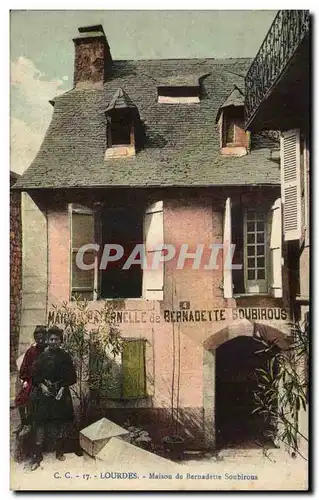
(120, 245)
(120, 135)
(178, 95)
(234, 134)
(120, 131)
(121, 119)
(256, 238)
(231, 124)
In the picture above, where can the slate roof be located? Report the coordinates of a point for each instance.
(235, 98)
(120, 100)
(181, 145)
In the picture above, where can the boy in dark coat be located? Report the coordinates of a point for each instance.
(22, 397)
(53, 373)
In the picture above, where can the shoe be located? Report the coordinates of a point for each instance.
(37, 457)
(35, 465)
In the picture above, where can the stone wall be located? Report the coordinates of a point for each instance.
(15, 275)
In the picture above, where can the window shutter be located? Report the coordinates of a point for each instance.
(307, 192)
(153, 279)
(290, 184)
(228, 278)
(133, 368)
(83, 282)
(276, 249)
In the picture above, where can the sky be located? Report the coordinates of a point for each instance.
(41, 53)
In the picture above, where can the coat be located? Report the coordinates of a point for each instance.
(25, 371)
(55, 369)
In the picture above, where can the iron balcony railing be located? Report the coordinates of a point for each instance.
(283, 38)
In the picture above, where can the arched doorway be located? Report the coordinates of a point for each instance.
(235, 383)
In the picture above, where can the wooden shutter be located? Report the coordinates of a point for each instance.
(276, 249)
(83, 282)
(227, 238)
(307, 191)
(153, 279)
(290, 184)
(133, 368)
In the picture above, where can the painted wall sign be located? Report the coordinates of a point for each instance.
(250, 313)
(57, 317)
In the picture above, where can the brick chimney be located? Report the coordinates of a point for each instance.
(93, 58)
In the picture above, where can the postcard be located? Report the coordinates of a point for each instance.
(159, 239)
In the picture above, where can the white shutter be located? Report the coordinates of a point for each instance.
(228, 278)
(276, 249)
(290, 184)
(82, 222)
(307, 192)
(153, 279)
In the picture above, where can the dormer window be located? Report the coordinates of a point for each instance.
(179, 89)
(234, 134)
(121, 116)
(178, 95)
(120, 131)
(234, 140)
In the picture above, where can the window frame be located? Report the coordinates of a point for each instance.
(178, 94)
(110, 144)
(261, 283)
(236, 122)
(153, 212)
(271, 285)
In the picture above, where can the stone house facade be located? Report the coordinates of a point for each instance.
(155, 154)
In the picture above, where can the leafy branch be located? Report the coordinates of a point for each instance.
(93, 340)
(282, 389)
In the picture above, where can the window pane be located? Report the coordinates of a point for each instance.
(251, 250)
(250, 227)
(261, 274)
(260, 226)
(250, 238)
(251, 263)
(251, 274)
(82, 229)
(120, 130)
(260, 237)
(261, 262)
(250, 215)
(260, 216)
(260, 249)
(80, 277)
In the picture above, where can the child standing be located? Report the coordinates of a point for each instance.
(22, 398)
(51, 403)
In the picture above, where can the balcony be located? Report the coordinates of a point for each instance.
(277, 82)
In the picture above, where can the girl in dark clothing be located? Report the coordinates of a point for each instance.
(51, 404)
(22, 397)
